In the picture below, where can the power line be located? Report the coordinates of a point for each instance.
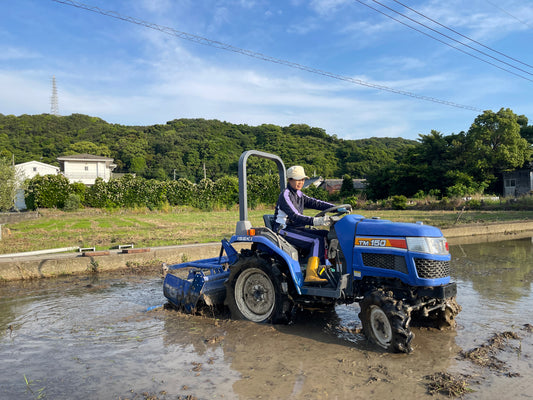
(508, 13)
(441, 41)
(249, 53)
(460, 34)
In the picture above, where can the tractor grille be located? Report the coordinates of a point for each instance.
(386, 261)
(432, 269)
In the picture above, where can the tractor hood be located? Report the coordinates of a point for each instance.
(386, 228)
(353, 226)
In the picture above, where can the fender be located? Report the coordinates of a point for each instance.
(292, 264)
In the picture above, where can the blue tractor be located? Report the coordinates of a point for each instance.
(397, 272)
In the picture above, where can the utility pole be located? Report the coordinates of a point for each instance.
(205, 176)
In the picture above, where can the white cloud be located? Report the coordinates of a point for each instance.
(14, 53)
(30, 92)
(327, 7)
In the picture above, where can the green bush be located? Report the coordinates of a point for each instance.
(352, 200)
(48, 191)
(226, 191)
(97, 195)
(205, 196)
(8, 184)
(79, 189)
(317, 193)
(180, 192)
(72, 203)
(263, 190)
(399, 202)
(474, 204)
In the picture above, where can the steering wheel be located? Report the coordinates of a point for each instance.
(348, 208)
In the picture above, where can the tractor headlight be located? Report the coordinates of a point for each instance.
(428, 245)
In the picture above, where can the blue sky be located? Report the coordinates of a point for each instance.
(129, 74)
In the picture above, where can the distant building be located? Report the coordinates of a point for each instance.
(85, 168)
(29, 170)
(334, 185)
(518, 183)
(315, 181)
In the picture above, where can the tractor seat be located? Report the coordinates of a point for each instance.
(269, 220)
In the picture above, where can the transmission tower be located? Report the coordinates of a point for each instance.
(54, 107)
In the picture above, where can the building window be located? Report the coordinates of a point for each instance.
(34, 169)
(510, 183)
(86, 168)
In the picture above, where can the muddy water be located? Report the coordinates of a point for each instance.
(93, 338)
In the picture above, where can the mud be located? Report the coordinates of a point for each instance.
(110, 336)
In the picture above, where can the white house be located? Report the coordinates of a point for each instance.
(85, 168)
(29, 170)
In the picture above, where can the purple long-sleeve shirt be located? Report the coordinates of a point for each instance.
(290, 207)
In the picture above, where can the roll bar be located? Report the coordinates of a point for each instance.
(243, 224)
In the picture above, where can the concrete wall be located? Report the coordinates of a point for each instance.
(54, 265)
(12, 217)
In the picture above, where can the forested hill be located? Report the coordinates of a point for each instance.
(181, 148)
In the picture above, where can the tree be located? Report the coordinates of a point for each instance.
(8, 185)
(347, 186)
(494, 145)
(85, 147)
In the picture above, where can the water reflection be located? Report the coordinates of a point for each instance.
(91, 337)
(500, 271)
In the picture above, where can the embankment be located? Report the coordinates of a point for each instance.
(64, 264)
(53, 265)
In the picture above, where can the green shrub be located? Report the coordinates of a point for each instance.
(180, 192)
(226, 191)
(97, 195)
(263, 190)
(48, 191)
(204, 199)
(352, 200)
(72, 203)
(399, 202)
(419, 195)
(474, 204)
(79, 189)
(317, 193)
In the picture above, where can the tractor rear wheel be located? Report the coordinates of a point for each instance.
(254, 291)
(385, 322)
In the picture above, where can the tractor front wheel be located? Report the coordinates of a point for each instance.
(254, 291)
(385, 322)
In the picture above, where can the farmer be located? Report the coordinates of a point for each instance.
(290, 221)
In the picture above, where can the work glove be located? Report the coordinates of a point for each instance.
(322, 221)
(342, 210)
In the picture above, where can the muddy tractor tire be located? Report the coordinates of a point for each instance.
(254, 291)
(385, 322)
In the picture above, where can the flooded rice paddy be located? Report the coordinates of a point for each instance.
(100, 337)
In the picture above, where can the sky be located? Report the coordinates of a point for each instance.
(342, 65)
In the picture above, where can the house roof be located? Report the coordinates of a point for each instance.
(337, 183)
(316, 181)
(84, 157)
(36, 163)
